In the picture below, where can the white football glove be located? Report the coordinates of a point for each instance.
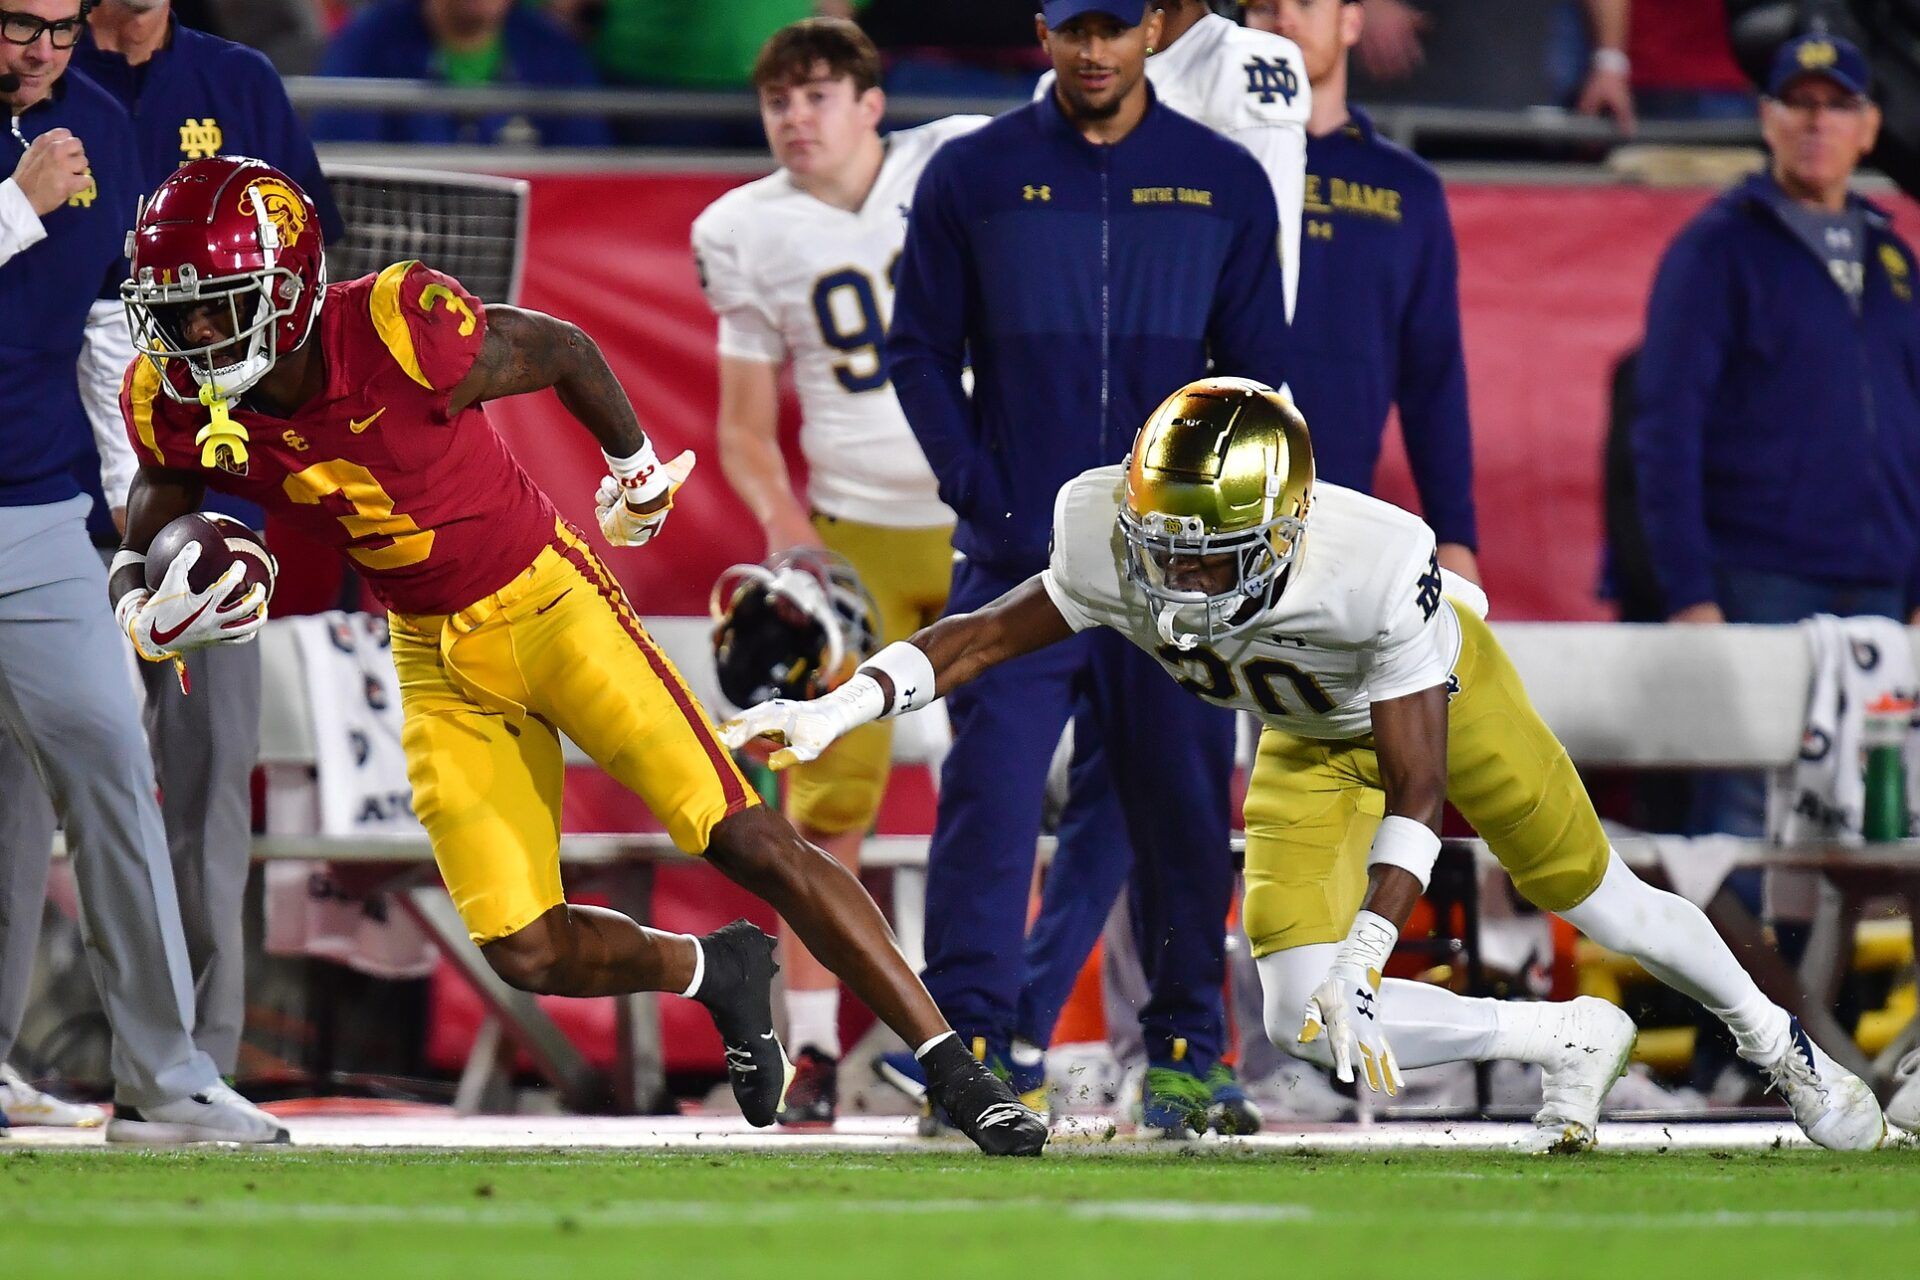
(626, 527)
(806, 729)
(176, 619)
(1346, 1007)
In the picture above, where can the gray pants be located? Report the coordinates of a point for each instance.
(68, 700)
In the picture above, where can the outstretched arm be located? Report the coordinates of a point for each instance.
(1410, 737)
(526, 351)
(908, 674)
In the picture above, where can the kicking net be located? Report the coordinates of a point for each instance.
(471, 226)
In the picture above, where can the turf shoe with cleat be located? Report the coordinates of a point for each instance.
(1174, 1102)
(1831, 1105)
(736, 986)
(966, 1094)
(215, 1114)
(1229, 1110)
(1586, 1044)
(814, 1096)
(22, 1104)
(1903, 1108)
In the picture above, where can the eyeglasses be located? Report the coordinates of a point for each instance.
(1851, 106)
(24, 28)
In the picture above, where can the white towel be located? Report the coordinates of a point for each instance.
(1857, 662)
(353, 697)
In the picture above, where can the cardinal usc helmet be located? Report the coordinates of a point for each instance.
(794, 626)
(240, 235)
(1224, 468)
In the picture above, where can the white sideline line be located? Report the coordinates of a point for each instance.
(878, 1135)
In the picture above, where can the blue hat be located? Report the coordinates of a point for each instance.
(1060, 12)
(1820, 55)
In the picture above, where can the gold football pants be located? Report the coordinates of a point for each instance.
(908, 571)
(487, 693)
(1313, 806)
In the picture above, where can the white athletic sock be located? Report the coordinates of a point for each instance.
(699, 966)
(1425, 1024)
(1676, 943)
(813, 1020)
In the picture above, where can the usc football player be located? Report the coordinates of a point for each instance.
(355, 412)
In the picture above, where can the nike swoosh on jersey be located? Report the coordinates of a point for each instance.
(163, 638)
(362, 424)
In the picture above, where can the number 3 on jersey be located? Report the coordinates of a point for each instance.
(372, 514)
(845, 304)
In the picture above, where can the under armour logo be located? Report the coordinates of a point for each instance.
(1427, 588)
(1269, 78)
(201, 138)
(1366, 999)
(1038, 193)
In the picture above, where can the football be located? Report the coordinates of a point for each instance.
(222, 541)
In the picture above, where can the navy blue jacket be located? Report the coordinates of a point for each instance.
(1776, 429)
(1084, 284)
(47, 289)
(1377, 322)
(201, 95)
(390, 39)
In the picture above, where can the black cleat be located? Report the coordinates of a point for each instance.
(980, 1104)
(814, 1096)
(737, 990)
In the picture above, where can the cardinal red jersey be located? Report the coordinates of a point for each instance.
(430, 505)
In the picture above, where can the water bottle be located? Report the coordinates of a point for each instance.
(1885, 736)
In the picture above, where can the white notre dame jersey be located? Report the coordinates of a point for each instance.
(1362, 618)
(793, 278)
(1252, 87)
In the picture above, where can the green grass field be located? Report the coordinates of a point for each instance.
(1093, 1212)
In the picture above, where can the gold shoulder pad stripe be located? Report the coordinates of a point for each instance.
(391, 325)
(146, 385)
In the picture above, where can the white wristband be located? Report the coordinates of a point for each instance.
(125, 559)
(1612, 61)
(1406, 844)
(1369, 943)
(911, 672)
(640, 475)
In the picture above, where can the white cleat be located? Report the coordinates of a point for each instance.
(1832, 1106)
(1903, 1108)
(1588, 1051)
(22, 1104)
(216, 1114)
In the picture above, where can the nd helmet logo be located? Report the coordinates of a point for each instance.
(281, 205)
(1270, 78)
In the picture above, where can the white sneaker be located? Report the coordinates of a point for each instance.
(217, 1114)
(1832, 1106)
(1589, 1045)
(1903, 1108)
(22, 1104)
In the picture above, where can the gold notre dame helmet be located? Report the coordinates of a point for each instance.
(1223, 468)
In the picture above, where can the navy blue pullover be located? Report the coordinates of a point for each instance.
(1377, 323)
(1777, 428)
(47, 289)
(1084, 284)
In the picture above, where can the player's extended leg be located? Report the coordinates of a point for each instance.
(486, 778)
(1312, 808)
(1511, 778)
(587, 666)
(833, 801)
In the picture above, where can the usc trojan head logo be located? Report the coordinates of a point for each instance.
(282, 206)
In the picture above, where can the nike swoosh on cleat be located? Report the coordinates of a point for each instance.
(1003, 1113)
(163, 637)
